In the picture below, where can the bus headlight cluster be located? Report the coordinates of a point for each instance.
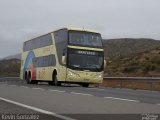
(73, 74)
(99, 76)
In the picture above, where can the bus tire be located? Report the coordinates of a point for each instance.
(29, 78)
(34, 82)
(85, 84)
(56, 82)
(25, 76)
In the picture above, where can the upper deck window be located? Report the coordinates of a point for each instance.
(83, 38)
(37, 42)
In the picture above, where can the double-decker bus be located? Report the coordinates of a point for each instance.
(69, 55)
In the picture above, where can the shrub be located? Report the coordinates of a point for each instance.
(149, 67)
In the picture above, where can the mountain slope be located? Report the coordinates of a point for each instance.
(141, 64)
(9, 67)
(17, 56)
(115, 48)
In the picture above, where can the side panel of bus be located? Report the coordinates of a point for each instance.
(58, 49)
(60, 37)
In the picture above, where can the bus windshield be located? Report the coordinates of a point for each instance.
(85, 39)
(85, 60)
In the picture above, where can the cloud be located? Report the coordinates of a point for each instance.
(21, 20)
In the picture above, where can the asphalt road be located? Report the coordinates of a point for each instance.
(75, 102)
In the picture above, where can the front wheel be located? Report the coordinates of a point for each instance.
(56, 82)
(51, 83)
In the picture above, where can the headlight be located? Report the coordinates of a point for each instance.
(99, 76)
(73, 74)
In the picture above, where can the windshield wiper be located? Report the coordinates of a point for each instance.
(77, 66)
(92, 67)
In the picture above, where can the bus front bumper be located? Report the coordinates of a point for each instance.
(84, 77)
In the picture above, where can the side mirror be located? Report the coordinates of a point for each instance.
(64, 60)
(104, 64)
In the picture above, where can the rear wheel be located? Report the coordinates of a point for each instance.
(85, 84)
(34, 82)
(30, 81)
(56, 82)
(25, 77)
(29, 78)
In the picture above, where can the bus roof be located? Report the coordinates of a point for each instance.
(68, 28)
(81, 29)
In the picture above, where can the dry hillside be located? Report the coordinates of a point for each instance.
(9, 67)
(116, 48)
(141, 64)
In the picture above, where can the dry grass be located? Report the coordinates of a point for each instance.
(145, 64)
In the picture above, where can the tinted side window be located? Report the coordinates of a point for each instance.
(38, 42)
(61, 36)
(44, 61)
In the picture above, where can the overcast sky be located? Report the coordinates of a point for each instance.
(21, 20)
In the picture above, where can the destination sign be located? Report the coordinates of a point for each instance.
(86, 52)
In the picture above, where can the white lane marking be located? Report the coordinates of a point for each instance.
(13, 85)
(81, 93)
(38, 88)
(158, 104)
(24, 86)
(37, 109)
(3, 84)
(121, 99)
(57, 91)
(96, 89)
